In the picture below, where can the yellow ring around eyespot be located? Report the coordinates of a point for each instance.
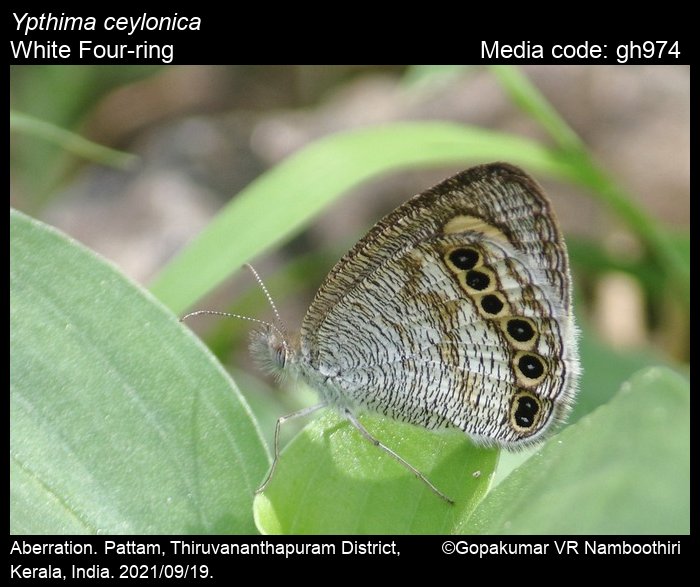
(453, 267)
(524, 380)
(526, 345)
(504, 311)
(491, 276)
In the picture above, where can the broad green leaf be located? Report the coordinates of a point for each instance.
(624, 469)
(282, 200)
(605, 369)
(330, 480)
(120, 420)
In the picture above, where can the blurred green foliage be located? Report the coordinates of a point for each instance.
(54, 97)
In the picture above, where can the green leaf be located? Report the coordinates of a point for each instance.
(330, 480)
(281, 201)
(624, 469)
(605, 369)
(120, 420)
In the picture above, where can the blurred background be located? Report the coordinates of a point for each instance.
(191, 137)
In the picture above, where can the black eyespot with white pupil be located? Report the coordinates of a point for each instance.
(464, 259)
(520, 330)
(477, 280)
(526, 411)
(531, 366)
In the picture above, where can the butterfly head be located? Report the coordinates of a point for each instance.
(270, 349)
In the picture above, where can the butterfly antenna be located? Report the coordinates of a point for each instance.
(230, 315)
(278, 326)
(278, 319)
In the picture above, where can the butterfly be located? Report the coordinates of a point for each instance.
(454, 311)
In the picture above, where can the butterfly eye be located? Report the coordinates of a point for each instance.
(281, 356)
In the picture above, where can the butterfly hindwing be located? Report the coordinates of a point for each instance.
(454, 310)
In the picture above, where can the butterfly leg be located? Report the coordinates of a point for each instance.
(362, 430)
(281, 420)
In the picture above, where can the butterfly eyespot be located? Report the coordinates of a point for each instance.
(531, 367)
(521, 330)
(521, 333)
(463, 259)
(492, 304)
(525, 412)
(477, 280)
